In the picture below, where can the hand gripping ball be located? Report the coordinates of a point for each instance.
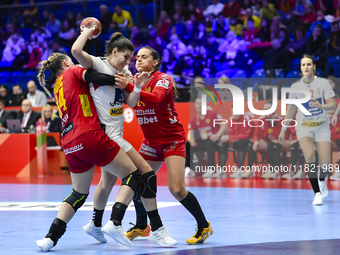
(89, 22)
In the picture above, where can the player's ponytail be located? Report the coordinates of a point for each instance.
(120, 42)
(53, 63)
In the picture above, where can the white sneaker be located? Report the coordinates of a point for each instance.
(247, 175)
(335, 176)
(95, 232)
(207, 175)
(237, 174)
(116, 232)
(299, 175)
(275, 175)
(221, 175)
(317, 199)
(288, 176)
(266, 175)
(323, 188)
(161, 237)
(189, 172)
(45, 244)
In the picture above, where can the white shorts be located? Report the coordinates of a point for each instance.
(319, 135)
(116, 134)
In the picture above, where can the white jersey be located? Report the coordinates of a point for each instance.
(320, 90)
(107, 99)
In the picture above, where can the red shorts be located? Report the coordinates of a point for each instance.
(160, 152)
(89, 149)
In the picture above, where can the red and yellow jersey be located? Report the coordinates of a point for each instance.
(156, 111)
(335, 131)
(270, 130)
(204, 124)
(240, 129)
(75, 104)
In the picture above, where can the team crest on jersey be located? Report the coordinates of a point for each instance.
(164, 83)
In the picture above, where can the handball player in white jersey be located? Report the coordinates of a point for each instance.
(109, 105)
(314, 128)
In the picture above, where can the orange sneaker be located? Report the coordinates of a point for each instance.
(135, 232)
(201, 235)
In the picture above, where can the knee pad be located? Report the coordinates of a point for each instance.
(294, 147)
(277, 147)
(133, 181)
(270, 146)
(75, 199)
(242, 145)
(148, 185)
(250, 146)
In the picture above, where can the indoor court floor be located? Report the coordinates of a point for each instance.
(252, 216)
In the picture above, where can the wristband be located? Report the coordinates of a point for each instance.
(283, 129)
(129, 87)
(137, 90)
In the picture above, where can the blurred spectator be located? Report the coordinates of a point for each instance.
(35, 56)
(67, 34)
(257, 8)
(112, 29)
(284, 37)
(244, 6)
(250, 33)
(285, 9)
(31, 14)
(17, 96)
(45, 15)
(249, 15)
(123, 19)
(275, 27)
(105, 18)
(326, 26)
(8, 32)
(299, 8)
(334, 38)
(12, 48)
(187, 69)
(42, 34)
(16, 14)
(220, 26)
(169, 63)
(4, 116)
(28, 117)
(264, 32)
(35, 96)
(192, 9)
(268, 10)
(178, 7)
(72, 19)
(309, 16)
(53, 25)
(46, 50)
(334, 82)
(209, 22)
(56, 47)
(189, 32)
(33, 38)
(215, 8)
(232, 8)
(23, 57)
(278, 57)
(163, 25)
(177, 47)
(5, 95)
(138, 39)
(320, 5)
(228, 48)
(205, 63)
(316, 41)
(211, 45)
(53, 122)
(79, 19)
(236, 26)
(298, 46)
(201, 35)
(177, 25)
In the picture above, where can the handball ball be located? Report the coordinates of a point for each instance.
(89, 22)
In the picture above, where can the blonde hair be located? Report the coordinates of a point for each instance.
(47, 106)
(53, 63)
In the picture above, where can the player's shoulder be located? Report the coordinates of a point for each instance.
(297, 83)
(162, 80)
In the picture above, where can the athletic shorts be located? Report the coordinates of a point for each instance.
(89, 149)
(160, 152)
(116, 135)
(319, 135)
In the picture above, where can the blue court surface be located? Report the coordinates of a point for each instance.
(245, 221)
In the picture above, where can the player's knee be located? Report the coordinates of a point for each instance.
(178, 192)
(76, 200)
(148, 185)
(133, 181)
(107, 182)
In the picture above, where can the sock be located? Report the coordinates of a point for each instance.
(155, 220)
(57, 229)
(97, 217)
(277, 154)
(323, 173)
(191, 204)
(313, 176)
(141, 215)
(118, 211)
